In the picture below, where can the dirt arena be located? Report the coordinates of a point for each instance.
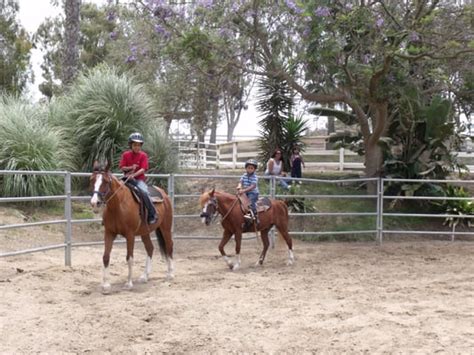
(403, 297)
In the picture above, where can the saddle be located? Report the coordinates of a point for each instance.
(155, 197)
(263, 204)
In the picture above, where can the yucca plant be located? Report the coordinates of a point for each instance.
(105, 108)
(28, 143)
(162, 160)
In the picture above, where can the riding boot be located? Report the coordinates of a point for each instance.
(151, 210)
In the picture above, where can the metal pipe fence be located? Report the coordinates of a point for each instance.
(177, 186)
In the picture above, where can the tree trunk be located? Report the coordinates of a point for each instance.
(71, 40)
(373, 165)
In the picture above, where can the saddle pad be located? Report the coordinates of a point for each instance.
(155, 194)
(263, 204)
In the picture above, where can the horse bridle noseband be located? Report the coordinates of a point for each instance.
(213, 203)
(103, 195)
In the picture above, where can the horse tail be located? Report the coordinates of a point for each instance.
(161, 243)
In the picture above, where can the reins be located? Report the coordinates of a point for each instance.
(115, 192)
(231, 207)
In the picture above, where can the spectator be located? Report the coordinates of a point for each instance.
(275, 168)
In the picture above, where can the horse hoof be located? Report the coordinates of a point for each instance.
(169, 277)
(290, 262)
(235, 267)
(106, 289)
(143, 279)
(128, 285)
(259, 263)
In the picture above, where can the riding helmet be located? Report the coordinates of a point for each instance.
(135, 137)
(251, 162)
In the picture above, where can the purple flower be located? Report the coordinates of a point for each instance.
(292, 6)
(306, 31)
(131, 59)
(322, 11)
(414, 37)
(379, 22)
(159, 29)
(133, 49)
(110, 16)
(206, 3)
(113, 35)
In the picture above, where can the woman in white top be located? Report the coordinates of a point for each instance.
(275, 167)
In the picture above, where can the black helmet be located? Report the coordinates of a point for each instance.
(251, 162)
(135, 137)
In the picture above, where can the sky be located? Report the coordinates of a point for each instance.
(34, 12)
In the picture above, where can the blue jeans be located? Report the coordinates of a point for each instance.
(283, 182)
(149, 205)
(253, 197)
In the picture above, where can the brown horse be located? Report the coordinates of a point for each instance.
(231, 208)
(121, 215)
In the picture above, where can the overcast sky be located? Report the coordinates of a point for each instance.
(34, 12)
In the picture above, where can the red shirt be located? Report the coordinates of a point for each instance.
(140, 159)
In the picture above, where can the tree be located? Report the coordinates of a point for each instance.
(275, 104)
(15, 47)
(96, 33)
(358, 54)
(71, 40)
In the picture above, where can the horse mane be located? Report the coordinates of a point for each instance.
(207, 195)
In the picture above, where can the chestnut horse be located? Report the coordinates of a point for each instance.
(231, 208)
(121, 215)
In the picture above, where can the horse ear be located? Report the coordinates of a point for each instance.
(107, 165)
(211, 193)
(95, 166)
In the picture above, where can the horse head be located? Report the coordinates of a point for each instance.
(208, 202)
(100, 183)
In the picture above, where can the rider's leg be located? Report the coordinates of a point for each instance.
(149, 205)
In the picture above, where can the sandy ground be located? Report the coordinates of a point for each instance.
(406, 297)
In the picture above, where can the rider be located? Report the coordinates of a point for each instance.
(134, 164)
(249, 185)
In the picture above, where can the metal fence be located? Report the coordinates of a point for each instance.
(173, 181)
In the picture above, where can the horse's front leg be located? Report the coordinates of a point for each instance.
(130, 245)
(149, 251)
(238, 243)
(108, 243)
(225, 239)
(266, 244)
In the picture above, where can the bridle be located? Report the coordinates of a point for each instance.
(103, 195)
(212, 202)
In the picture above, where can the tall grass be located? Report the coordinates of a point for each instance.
(104, 108)
(27, 142)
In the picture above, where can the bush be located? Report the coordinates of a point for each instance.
(29, 143)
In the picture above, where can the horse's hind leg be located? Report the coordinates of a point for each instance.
(283, 229)
(266, 244)
(108, 243)
(165, 242)
(149, 251)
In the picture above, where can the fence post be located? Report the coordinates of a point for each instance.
(380, 184)
(272, 195)
(341, 159)
(204, 156)
(234, 155)
(171, 195)
(218, 155)
(68, 218)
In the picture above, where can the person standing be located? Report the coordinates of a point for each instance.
(296, 162)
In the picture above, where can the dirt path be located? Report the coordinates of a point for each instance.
(402, 297)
